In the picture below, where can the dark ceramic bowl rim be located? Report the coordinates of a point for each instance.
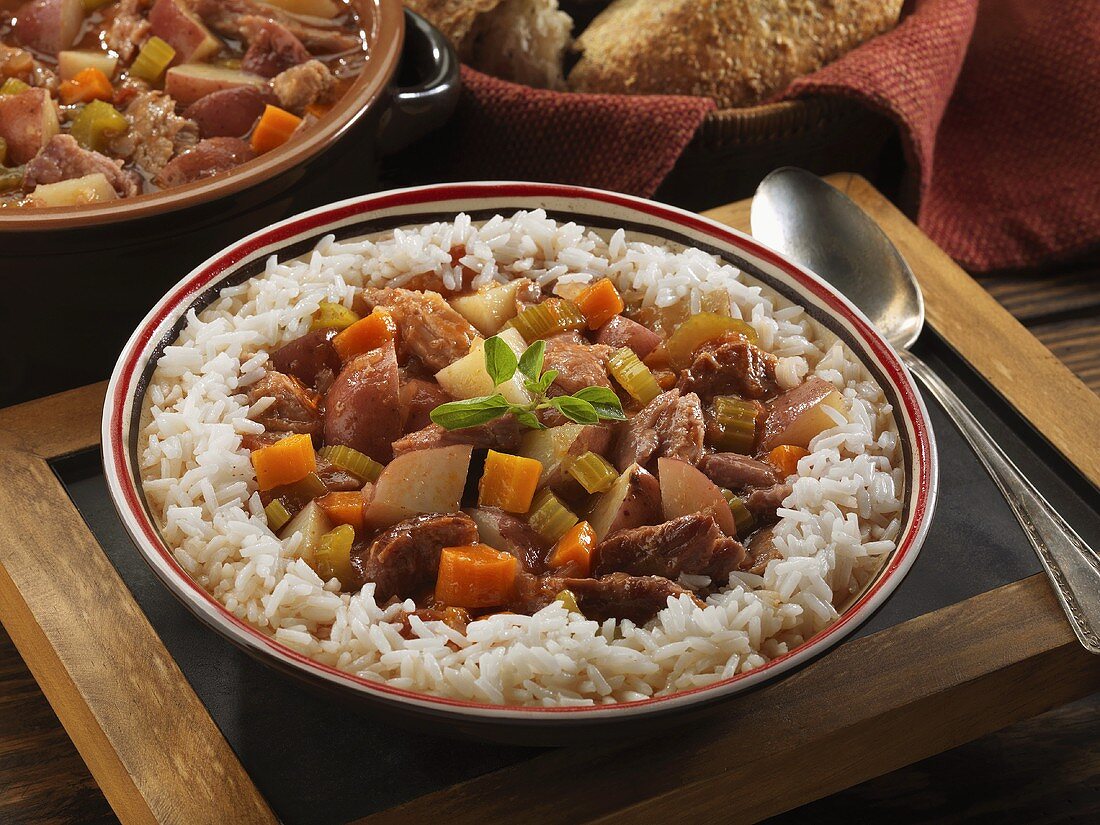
(125, 400)
(385, 39)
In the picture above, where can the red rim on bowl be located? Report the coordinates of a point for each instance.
(378, 212)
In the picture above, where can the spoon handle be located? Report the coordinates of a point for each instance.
(1071, 565)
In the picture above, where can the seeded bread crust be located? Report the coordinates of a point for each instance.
(738, 52)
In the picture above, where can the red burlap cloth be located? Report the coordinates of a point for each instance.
(997, 103)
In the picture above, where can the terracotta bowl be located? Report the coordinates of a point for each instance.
(413, 207)
(107, 264)
(384, 27)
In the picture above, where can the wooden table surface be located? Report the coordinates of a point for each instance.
(1047, 768)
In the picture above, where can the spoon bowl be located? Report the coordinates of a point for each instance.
(801, 215)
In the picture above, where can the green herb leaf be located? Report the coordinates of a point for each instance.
(527, 418)
(575, 409)
(530, 363)
(457, 415)
(547, 379)
(604, 401)
(500, 361)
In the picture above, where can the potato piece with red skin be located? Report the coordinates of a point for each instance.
(227, 112)
(363, 407)
(798, 415)
(27, 123)
(174, 23)
(685, 490)
(191, 81)
(621, 331)
(48, 26)
(423, 481)
(634, 500)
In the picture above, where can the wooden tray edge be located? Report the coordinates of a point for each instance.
(153, 788)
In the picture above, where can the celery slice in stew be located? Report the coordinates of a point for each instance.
(593, 472)
(352, 461)
(549, 517)
(634, 376)
(333, 555)
(277, 515)
(552, 316)
(96, 124)
(153, 59)
(333, 316)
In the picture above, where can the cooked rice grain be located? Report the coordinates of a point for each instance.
(839, 522)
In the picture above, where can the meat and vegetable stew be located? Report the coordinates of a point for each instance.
(496, 450)
(106, 99)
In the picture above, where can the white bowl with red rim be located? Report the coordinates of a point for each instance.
(598, 209)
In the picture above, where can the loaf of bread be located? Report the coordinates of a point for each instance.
(520, 40)
(738, 52)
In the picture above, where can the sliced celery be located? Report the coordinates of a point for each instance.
(277, 515)
(307, 489)
(333, 555)
(568, 600)
(352, 461)
(10, 178)
(13, 86)
(333, 316)
(734, 424)
(741, 515)
(698, 329)
(634, 376)
(153, 59)
(97, 123)
(552, 316)
(549, 517)
(593, 472)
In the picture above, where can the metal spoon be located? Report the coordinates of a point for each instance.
(800, 215)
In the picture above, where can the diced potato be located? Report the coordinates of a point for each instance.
(71, 63)
(549, 447)
(48, 26)
(312, 523)
(633, 500)
(489, 308)
(685, 490)
(424, 481)
(27, 122)
(326, 9)
(181, 29)
(467, 377)
(189, 82)
(88, 189)
(799, 415)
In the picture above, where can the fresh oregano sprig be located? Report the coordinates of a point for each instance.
(586, 406)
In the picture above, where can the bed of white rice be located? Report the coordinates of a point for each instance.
(838, 524)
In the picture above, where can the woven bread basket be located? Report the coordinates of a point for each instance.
(735, 148)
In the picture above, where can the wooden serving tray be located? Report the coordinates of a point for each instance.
(972, 641)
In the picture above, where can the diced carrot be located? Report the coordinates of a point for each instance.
(366, 334)
(85, 86)
(475, 576)
(509, 482)
(344, 508)
(785, 457)
(318, 110)
(600, 302)
(575, 549)
(273, 129)
(288, 460)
